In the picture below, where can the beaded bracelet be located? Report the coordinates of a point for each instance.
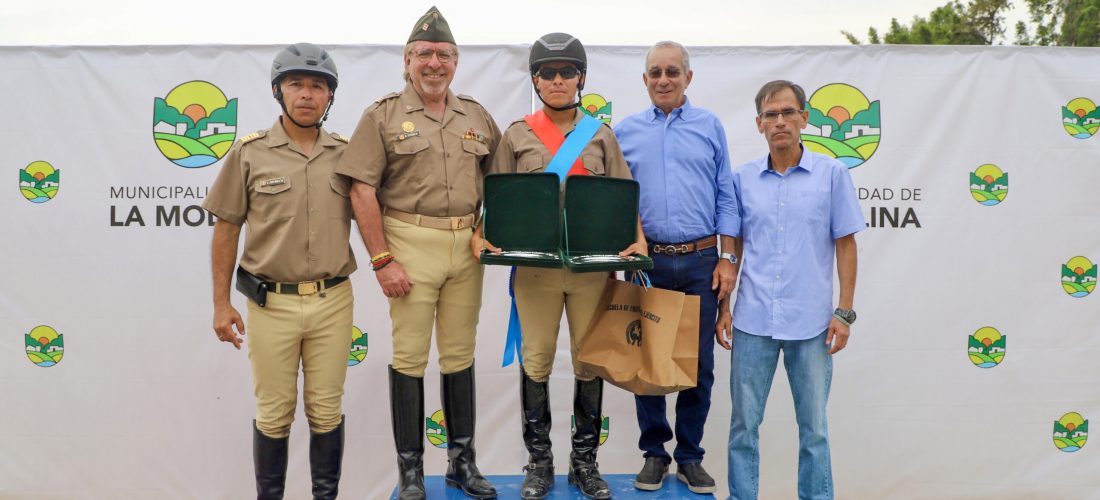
(379, 257)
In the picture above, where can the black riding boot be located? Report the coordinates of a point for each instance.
(535, 399)
(326, 452)
(407, 413)
(583, 469)
(269, 456)
(459, 417)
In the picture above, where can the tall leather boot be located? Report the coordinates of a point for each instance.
(407, 413)
(326, 453)
(269, 456)
(583, 469)
(459, 418)
(535, 401)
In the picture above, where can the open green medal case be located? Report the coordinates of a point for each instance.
(601, 219)
(523, 216)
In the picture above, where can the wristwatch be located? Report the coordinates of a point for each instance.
(728, 256)
(846, 316)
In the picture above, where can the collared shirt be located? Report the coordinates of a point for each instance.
(419, 163)
(789, 226)
(682, 163)
(297, 209)
(521, 151)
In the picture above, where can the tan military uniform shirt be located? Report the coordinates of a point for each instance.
(297, 209)
(418, 163)
(521, 151)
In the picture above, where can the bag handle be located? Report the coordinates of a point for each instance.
(641, 279)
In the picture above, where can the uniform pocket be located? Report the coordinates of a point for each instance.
(274, 199)
(341, 202)
(593, 164)
(410, 146)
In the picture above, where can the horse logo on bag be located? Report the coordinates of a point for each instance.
(634, 333)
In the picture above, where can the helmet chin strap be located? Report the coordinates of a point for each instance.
(567, 107)
(278, 94)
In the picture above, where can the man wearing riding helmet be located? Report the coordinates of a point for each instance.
(294, 269)
(558, 65)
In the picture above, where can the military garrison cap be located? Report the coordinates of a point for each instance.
(432, 27)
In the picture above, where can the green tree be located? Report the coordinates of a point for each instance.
(979, 22)
(1067, 23)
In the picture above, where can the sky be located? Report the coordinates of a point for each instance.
(595, 22)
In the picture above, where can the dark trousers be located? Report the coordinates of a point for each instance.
(690, 273)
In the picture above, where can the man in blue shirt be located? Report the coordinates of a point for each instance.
(798, 209)
(678, 155)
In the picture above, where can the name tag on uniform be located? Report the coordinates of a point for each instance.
(273, 182)
(406, 135)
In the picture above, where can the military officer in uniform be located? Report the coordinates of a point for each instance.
(558, 65)
(281, 182)
(417, 158)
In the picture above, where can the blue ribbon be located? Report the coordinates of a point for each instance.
(513, 345)
(571, 149)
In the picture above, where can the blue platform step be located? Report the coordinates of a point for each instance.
(622, 487)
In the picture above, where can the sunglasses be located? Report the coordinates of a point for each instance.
(671, 72)
(566, 72)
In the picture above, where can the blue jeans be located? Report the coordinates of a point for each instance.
(689, 273)
(810, 370)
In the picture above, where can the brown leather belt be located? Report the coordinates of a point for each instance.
(682, 248)
(450, 223)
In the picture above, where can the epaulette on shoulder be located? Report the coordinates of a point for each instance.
(517, 122)
(465, 97)
(339, 137)
(251, 137)
(391, 95)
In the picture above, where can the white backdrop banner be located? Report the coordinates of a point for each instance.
(115, 386)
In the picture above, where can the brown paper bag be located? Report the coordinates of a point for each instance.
(644, 340)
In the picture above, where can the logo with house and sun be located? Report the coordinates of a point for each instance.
(1070, 432)
(1081, 118)
(988, 185)
(597, 107)
(39, 182)
(843, 124)
(986, 347)
(45, 347)
(358, 350)
(194, 125)
(435, 429)
(1079, 277)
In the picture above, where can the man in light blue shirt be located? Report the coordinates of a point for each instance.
(798, 210)
(678, 155)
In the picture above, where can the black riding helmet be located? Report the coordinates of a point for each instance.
(556, 47)
(309, 59)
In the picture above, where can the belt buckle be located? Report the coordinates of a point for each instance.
(456, 223)
(685, 248)
(307, 288)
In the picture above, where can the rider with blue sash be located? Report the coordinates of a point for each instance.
(562, 139)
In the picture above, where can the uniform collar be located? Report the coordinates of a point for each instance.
(411, 101)
(276, 137)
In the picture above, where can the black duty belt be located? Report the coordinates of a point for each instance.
(686, 247)
(305, 287)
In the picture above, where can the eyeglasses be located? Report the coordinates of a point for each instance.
(671, 72)
(566, 72)
(773, 116)
(444, 56)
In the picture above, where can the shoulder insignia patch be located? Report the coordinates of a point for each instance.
(391, 95)
(253, 136)
(467, 98)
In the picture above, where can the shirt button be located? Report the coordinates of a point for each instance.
(314, 210)
(780, 228)
(782, 204)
